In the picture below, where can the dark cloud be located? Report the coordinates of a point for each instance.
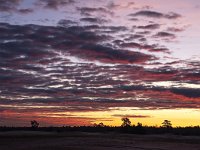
(94, 20)
(151, 48)
(95, 28)
(191, 93)
(133, 19)
(114, 29)
(88, 11)
(143, 32)
(154, 14)
(13, 6)
(9, 5)
(54, 4)
(175, 92)
(66, 23)
(172, 15)
(173, 29)
(150, 27)
(134, 37)
(112, 5)
(165, 50)
(191, 74)
(33, 61)
(25, 11)
(131, 116)
(165, 35)
(110, 55)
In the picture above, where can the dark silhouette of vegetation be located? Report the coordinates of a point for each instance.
(99, 125)
(187, 131)
(34, 124)
(126, 122)
(140, 129)
(139, 124)
(126, 127)
(167, 124)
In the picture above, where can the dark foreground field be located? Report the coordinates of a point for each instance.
(30, 140)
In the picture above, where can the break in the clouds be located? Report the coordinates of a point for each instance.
(92, 56)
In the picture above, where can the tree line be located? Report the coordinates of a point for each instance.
(126, 127)
(125, 123)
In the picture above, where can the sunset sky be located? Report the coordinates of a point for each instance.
(80, 62)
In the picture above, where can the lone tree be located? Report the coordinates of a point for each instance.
(126, 122)
(34, 124)
(167, 124)
(139, 125)
(99, 125)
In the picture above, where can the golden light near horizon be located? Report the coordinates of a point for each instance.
(178, 117)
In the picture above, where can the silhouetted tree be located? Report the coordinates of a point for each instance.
(99, 125)
(34, 124)
(126, 122)
(140, 129)
(139, 124)
(167, 124)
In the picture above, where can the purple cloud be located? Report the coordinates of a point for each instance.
(154, 14)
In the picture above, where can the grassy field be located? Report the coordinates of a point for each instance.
(30, 140)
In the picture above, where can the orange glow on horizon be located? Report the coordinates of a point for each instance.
(178, 117)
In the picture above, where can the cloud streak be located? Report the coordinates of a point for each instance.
(154, 14)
